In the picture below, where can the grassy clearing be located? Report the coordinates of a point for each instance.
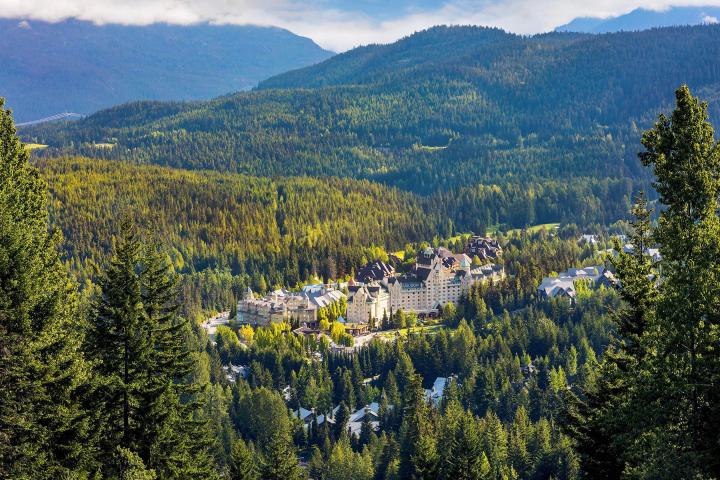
(429, 148)
(34, 146)
(516, 231)
(403, 332)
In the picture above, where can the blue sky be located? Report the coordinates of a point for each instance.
(338, 24)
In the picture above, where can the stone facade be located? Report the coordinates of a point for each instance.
(438, 278)
(282, 306)
(368, 302)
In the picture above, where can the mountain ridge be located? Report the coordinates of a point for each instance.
(451, 109)
(643, 19)
(77, 66)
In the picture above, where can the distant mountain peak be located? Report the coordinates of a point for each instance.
(78, 66)
(644, 19)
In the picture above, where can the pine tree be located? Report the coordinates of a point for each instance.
(119, 341)
(131, 466)
(418, 448)
(341, 421)
(144, 365)
(638, 287)
(452, 414)
(599, 414)
(44, 430)
(685, 159)
(280, 462)
(316, 464)
(366, 430)
(653, 408)
(388, 464)
(242, 464)
(465, 457)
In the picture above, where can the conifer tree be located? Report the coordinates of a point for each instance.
(316, 464)
(44, 430)
(131, 466)
(465, 458)
(653, 409)
(366, 430)
(599, 413)
(638, 282)
(418, 448)
(388, 465)
(685, 159)
(452, 414)
(242, 464)
(341, 421)
(280, 462)
(147, 403)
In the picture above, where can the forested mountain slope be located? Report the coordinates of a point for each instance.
(283, 230)
(227, 231)
(446, 107)
(76, 66)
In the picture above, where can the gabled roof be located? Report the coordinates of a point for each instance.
(483, 247)
(360, 413)
(374, 271)
(437, 391)
(303, 414)
(422, 274)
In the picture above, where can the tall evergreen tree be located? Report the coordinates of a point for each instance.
(388, 464)
(242, 463)
(418, 447)
(638, 281)
(44, 432)
(341, 421)
(147, 404)
(280, 462)
(367, 432)
(466, 460)
(653, 412)
(683, 410)
(599, 415)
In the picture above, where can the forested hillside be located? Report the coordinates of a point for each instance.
(618, 380)
(225, 232)
(447, 107)
(145, 396)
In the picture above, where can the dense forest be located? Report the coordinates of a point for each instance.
(225, 232)
(444, 108)
(620, 383)
(104, 373)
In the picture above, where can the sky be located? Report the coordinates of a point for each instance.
(338, 25)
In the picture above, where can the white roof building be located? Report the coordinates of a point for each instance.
(564, 284)
(435, 394)
(357, 417)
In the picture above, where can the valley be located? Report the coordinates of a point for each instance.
(465, 254)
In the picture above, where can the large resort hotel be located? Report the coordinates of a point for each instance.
(437, 278)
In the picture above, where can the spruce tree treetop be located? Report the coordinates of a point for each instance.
(682, 151)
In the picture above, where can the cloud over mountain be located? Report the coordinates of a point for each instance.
(337, 24)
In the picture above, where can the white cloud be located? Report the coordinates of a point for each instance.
(709, 19)
(332, 27)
